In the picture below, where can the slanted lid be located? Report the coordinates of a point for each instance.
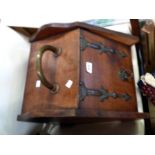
(57, 28)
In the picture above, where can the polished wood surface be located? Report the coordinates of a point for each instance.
(40, 104)
(105, 74)
(80, 115)
(56, 69)
(57, 28)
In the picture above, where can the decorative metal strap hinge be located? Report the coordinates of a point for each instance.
(124, 75)
(102, 93)
(99, 47)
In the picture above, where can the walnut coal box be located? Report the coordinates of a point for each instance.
(80, 72)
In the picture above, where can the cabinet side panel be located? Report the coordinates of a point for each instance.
(104, 69)
(63, 70)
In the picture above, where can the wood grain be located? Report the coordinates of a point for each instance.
(57, 28)
(57, 69)
(39, 104)
(105, 74)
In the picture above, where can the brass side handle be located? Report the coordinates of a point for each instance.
(57, 51)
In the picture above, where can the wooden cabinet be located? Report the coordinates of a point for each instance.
(80, 72)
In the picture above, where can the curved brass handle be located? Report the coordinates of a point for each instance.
(57, 51)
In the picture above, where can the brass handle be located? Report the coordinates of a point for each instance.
(57, 51)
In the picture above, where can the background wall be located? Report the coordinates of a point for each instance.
(14, 52)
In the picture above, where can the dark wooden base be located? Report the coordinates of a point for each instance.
(79, 116)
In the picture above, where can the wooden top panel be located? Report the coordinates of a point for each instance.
(57, 28)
